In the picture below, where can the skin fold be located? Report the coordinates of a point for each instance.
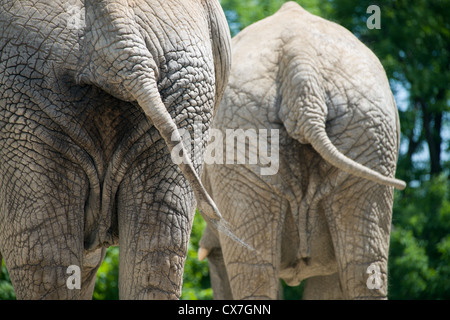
(93, 94)
(325, 215)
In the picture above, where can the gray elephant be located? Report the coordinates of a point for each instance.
(324, 215)
(93, 94)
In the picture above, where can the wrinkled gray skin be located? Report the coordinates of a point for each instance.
(322, 216)
(91, 94)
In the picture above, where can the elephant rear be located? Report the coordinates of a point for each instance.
(326, 213)
(92, 94)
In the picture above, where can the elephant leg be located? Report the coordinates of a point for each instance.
(253, 274)
(220, 284)
(323, 288)
(155, 213)
(91, 262)
(360, 219)
(42, 221)
(219, 276)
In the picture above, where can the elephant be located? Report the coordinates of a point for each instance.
(324, 214)
(93, 95)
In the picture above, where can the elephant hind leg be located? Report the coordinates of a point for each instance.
(47, 281)
(258, 220)
(210, 245)
(359, 219)
(42, 271)
(41, 225)
(155, 215)
(91, 262)
(219, 276)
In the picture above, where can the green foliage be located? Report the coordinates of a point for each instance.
(106, 284)
(242, 13)
(6, 289)
(419, 265)
(196, 283)
(291, 293)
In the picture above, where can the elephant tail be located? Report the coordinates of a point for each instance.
(150, 101)
(304, 111)
(323, 145)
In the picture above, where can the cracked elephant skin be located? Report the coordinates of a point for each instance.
(325, 215)
(93, 94)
